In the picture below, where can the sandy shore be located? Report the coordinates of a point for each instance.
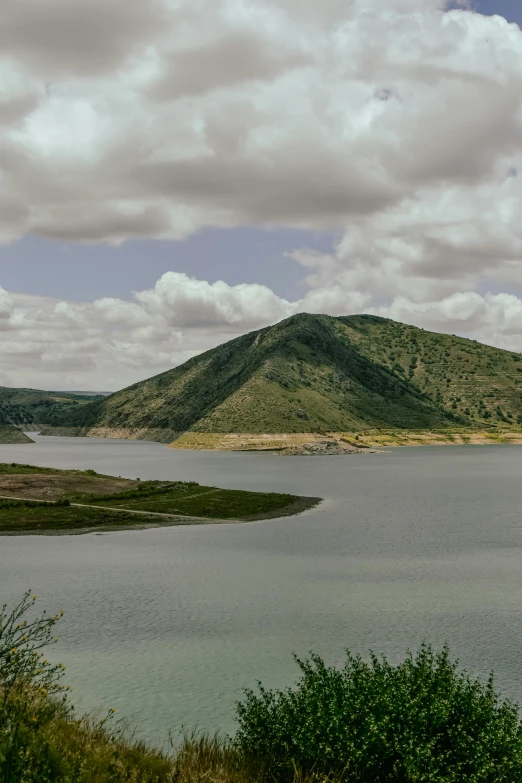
(373, 439)
(278, 441)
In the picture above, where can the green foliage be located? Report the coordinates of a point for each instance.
(151, 488)
(61, 502)
(41, 740)
(11, 434)
(422, 721)
(25, 676)
(30, 406)
(190, 499)
(19, 468)
(62, 517)
(16, 468)
(116, 507)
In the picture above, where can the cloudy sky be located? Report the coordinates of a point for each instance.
(177, 172)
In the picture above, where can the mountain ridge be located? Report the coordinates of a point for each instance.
(318, 373)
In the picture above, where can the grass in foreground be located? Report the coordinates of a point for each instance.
(423, 721)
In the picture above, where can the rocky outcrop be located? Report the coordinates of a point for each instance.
(324, 448)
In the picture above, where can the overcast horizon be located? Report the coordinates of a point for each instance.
(174, 174)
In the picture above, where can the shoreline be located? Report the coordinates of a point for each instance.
(364, 440)
(280, 441)
(164, 520)
(101, 530)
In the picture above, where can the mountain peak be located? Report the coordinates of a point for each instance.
(313, 373)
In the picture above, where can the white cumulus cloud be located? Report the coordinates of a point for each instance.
(396, 123)
(110, 343)
(157, 117)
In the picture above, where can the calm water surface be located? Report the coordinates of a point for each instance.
(169, 625)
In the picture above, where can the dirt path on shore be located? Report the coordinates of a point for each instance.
(162, 519)
(126, 510)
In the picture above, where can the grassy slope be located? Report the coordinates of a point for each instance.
(314, 378)
(480, 383)
(210, 502)
(26, 406)
(11, 434)
(17, 517)
(19, 468)
(313, 373)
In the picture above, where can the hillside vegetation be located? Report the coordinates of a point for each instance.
(316, 373)
(34, 406)
(11, 434)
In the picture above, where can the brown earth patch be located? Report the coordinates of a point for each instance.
(242, 441)
(324, 448)
(295, 443)
(49, 486)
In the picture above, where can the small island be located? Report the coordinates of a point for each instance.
(36, 500)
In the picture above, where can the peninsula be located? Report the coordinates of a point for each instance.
(46, 500)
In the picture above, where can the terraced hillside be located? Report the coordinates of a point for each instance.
(28, 406)
(315, 373)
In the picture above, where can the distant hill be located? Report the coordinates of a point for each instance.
(316, 373)
(30, 406)
(75, 393)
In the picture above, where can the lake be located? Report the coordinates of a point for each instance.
(169, 625)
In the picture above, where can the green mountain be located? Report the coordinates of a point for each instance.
(316, 373)
(29, 406)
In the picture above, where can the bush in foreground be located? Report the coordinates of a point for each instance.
(419, 722)
(41, 740)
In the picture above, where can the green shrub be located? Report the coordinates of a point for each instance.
(419, 722)
(144, 491)
(27, 682)
(41, 739)
(32, 503)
